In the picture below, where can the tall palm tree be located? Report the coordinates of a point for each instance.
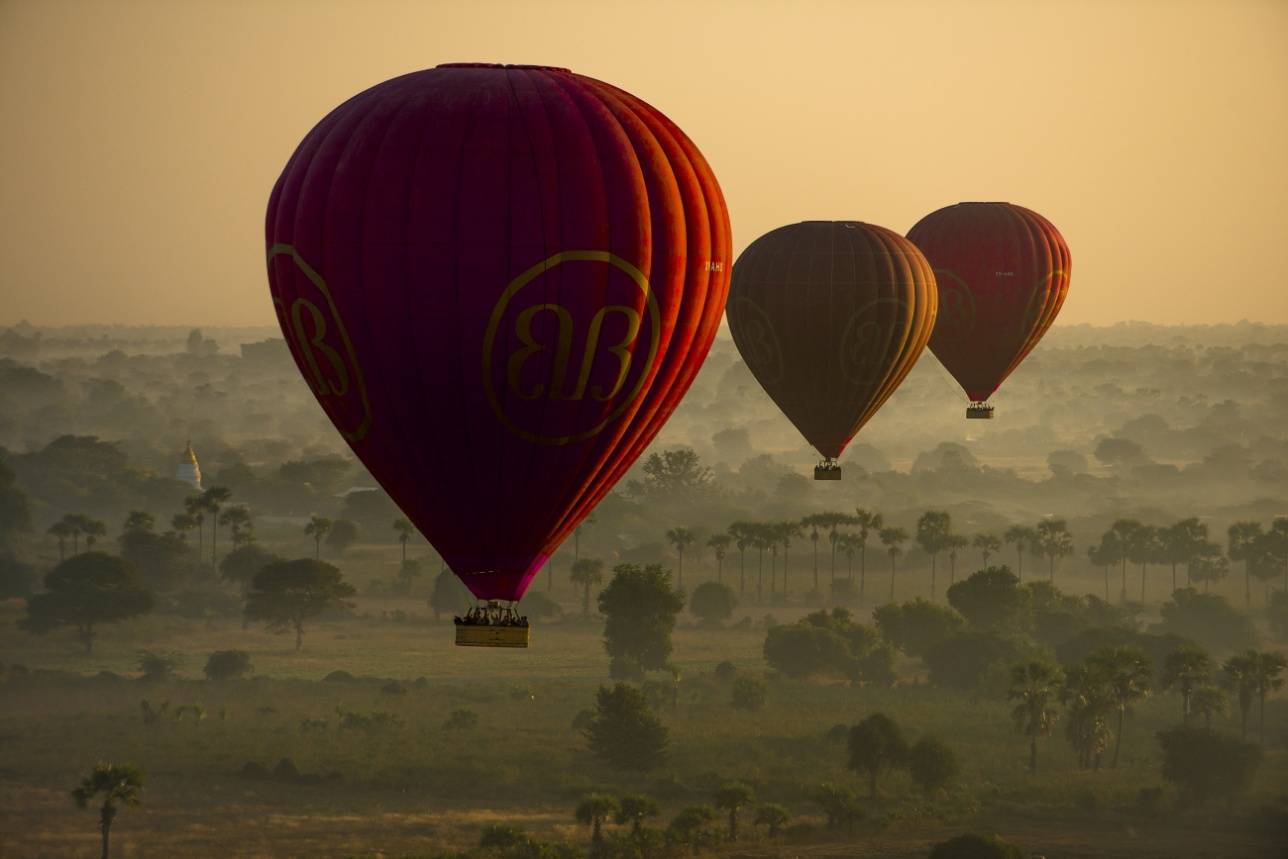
(987, 545)
(866, 523)
(93, 529)
(1022, 537)
(1208, 565)
(1279, 530)
(742, 533)
(317, 528)
(1179, 543)
(62, 531)
(761, 539)
(1242, 537)
(404, 530)
(118, 784)
(1085, 695)
(933, 529)
(592, 811)
(1185, 669)
(1055, 541)
(1255, 675)
(893, 539)
(138, 520)
(812, 523)
(719, 544)
(953, 545)
(585, 573)
(1207, 701)
(633, 810)
(1125, 531)
(1127, 675)
(788, 530)
(213, 500)
(576, 537)
(831, 521)
(732, 798)
(1035, 688)
(240, 525)
(1146, 548)
(195, 508)
(849, 546)
(680, 539)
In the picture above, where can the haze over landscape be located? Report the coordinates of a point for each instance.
(1062, 632)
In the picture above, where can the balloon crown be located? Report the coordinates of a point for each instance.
(502, 66)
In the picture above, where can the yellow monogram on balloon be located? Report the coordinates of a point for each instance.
(572, 354)
(330, 373)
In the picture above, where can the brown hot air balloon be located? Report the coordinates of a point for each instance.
(1003, 273)
(830, 316)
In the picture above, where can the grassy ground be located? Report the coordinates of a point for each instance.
(419, 786)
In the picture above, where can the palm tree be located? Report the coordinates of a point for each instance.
(1254, 674)
(1242, 537)
(576, 537)
(954, 544)
(1086, 696)
(62, 531)
(987, 545)
(195, 509)
(742, 532)
(117, 784)
(867, 522)
(1106, 553)
(92, 529)
(213, 501)
(633, 810)
(732, 797)
(138, 520)
(893, 539)
(849, 546)
(680, 539)
(404, 530)
(317, 528)
(773, 816)
(831, 522)
(788, 530)
(1055, 541)
(1126, 673)
(586, 572)
(1022, 537)
(1279, 530)
(593, 811)
(1145, 548)
(933, 529)
(1035, 687)
(1185, 669)
(812, 523)
(182, 523)
(239, 523)
(1125, 531)
(1208, 565)
(1207, 701)
(761, 539)
(719, 544)
(1179, 543)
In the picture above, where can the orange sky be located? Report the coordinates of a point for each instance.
(140, 140)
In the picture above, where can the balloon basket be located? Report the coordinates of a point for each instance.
(828, 469)
(979, 412)
(492, 625)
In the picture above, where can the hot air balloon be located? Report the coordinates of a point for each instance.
(1003, 272)
(498, 281)
(830, 316)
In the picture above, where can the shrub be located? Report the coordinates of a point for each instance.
(158, 666)
(339, 676)
(726, 671)
(972, 846)
(1207, 619)
(1205, 764)
(915, 627)
(962, 661)
(713, 603)
(227, 665)
(932, 764)
(624, 732)
(990, 599)
(830, 642)
(749, 694)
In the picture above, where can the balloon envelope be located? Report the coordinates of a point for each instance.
(830, 317)
(1003, 273)
(498, 281)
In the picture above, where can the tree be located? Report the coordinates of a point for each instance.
(933, 765)
(17, 578)
(1126, 673)
(772, 816)
(953, 544)
(449, 595)
(1054, 541)
(713, 603)
(672, 472)
(830, 643)
(968, 659)
(1021, 537)
(1087, 701)
(138, 520)
(624, 732)
(118, 784)
(592, 811)
(1035, 687)
(733, 797)
(157, 558)
(1207, 701)
(285, 594)
(933, 529)
(586, 573)
(241, 564)
(1144, 548)
(317, 528)
(634, 809)
(749, 694)
(15, 511)
(987, 544)
(867, 522)
(742, 534)
(1126, 535)
(893, 539)
(719, 544)
(342, 535)
(1208, 565)
(212, 501)
(62, 531)
(1243, 538)
(876, 745)
(640, 609)
(93, 530)
(692, 826)
(1208, 620)
(916, 627)
(404, 530)
(989, 599)
(1277, 616)
(1205, 764)
(1180, 543)
(85, 591)
(784, 533)
(1252, 674)
(1108, 552)
(840, 805)
(194, 508)
(227, 665)
(239, 523)
(972, 846)
(1185, 669)
(680, 539)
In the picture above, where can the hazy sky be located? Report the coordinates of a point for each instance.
(139, 141)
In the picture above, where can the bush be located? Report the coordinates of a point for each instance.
(990, 599)
(830, 643)
(726, 671)
(962, 661)
(624, 732)
(339, 676)
(538, 606)
(461, 720)
(713, 603)
(1205, 764)
(915, 627)
(227, 665)
(158, 666)
(932, 764)
(972, 846)
(1207, 619)
(749, 694)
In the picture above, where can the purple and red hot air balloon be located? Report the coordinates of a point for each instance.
(1003, 273)
(498, 281)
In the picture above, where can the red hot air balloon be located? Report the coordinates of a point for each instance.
(830, 317)
(499, 281)
(1003, 272)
